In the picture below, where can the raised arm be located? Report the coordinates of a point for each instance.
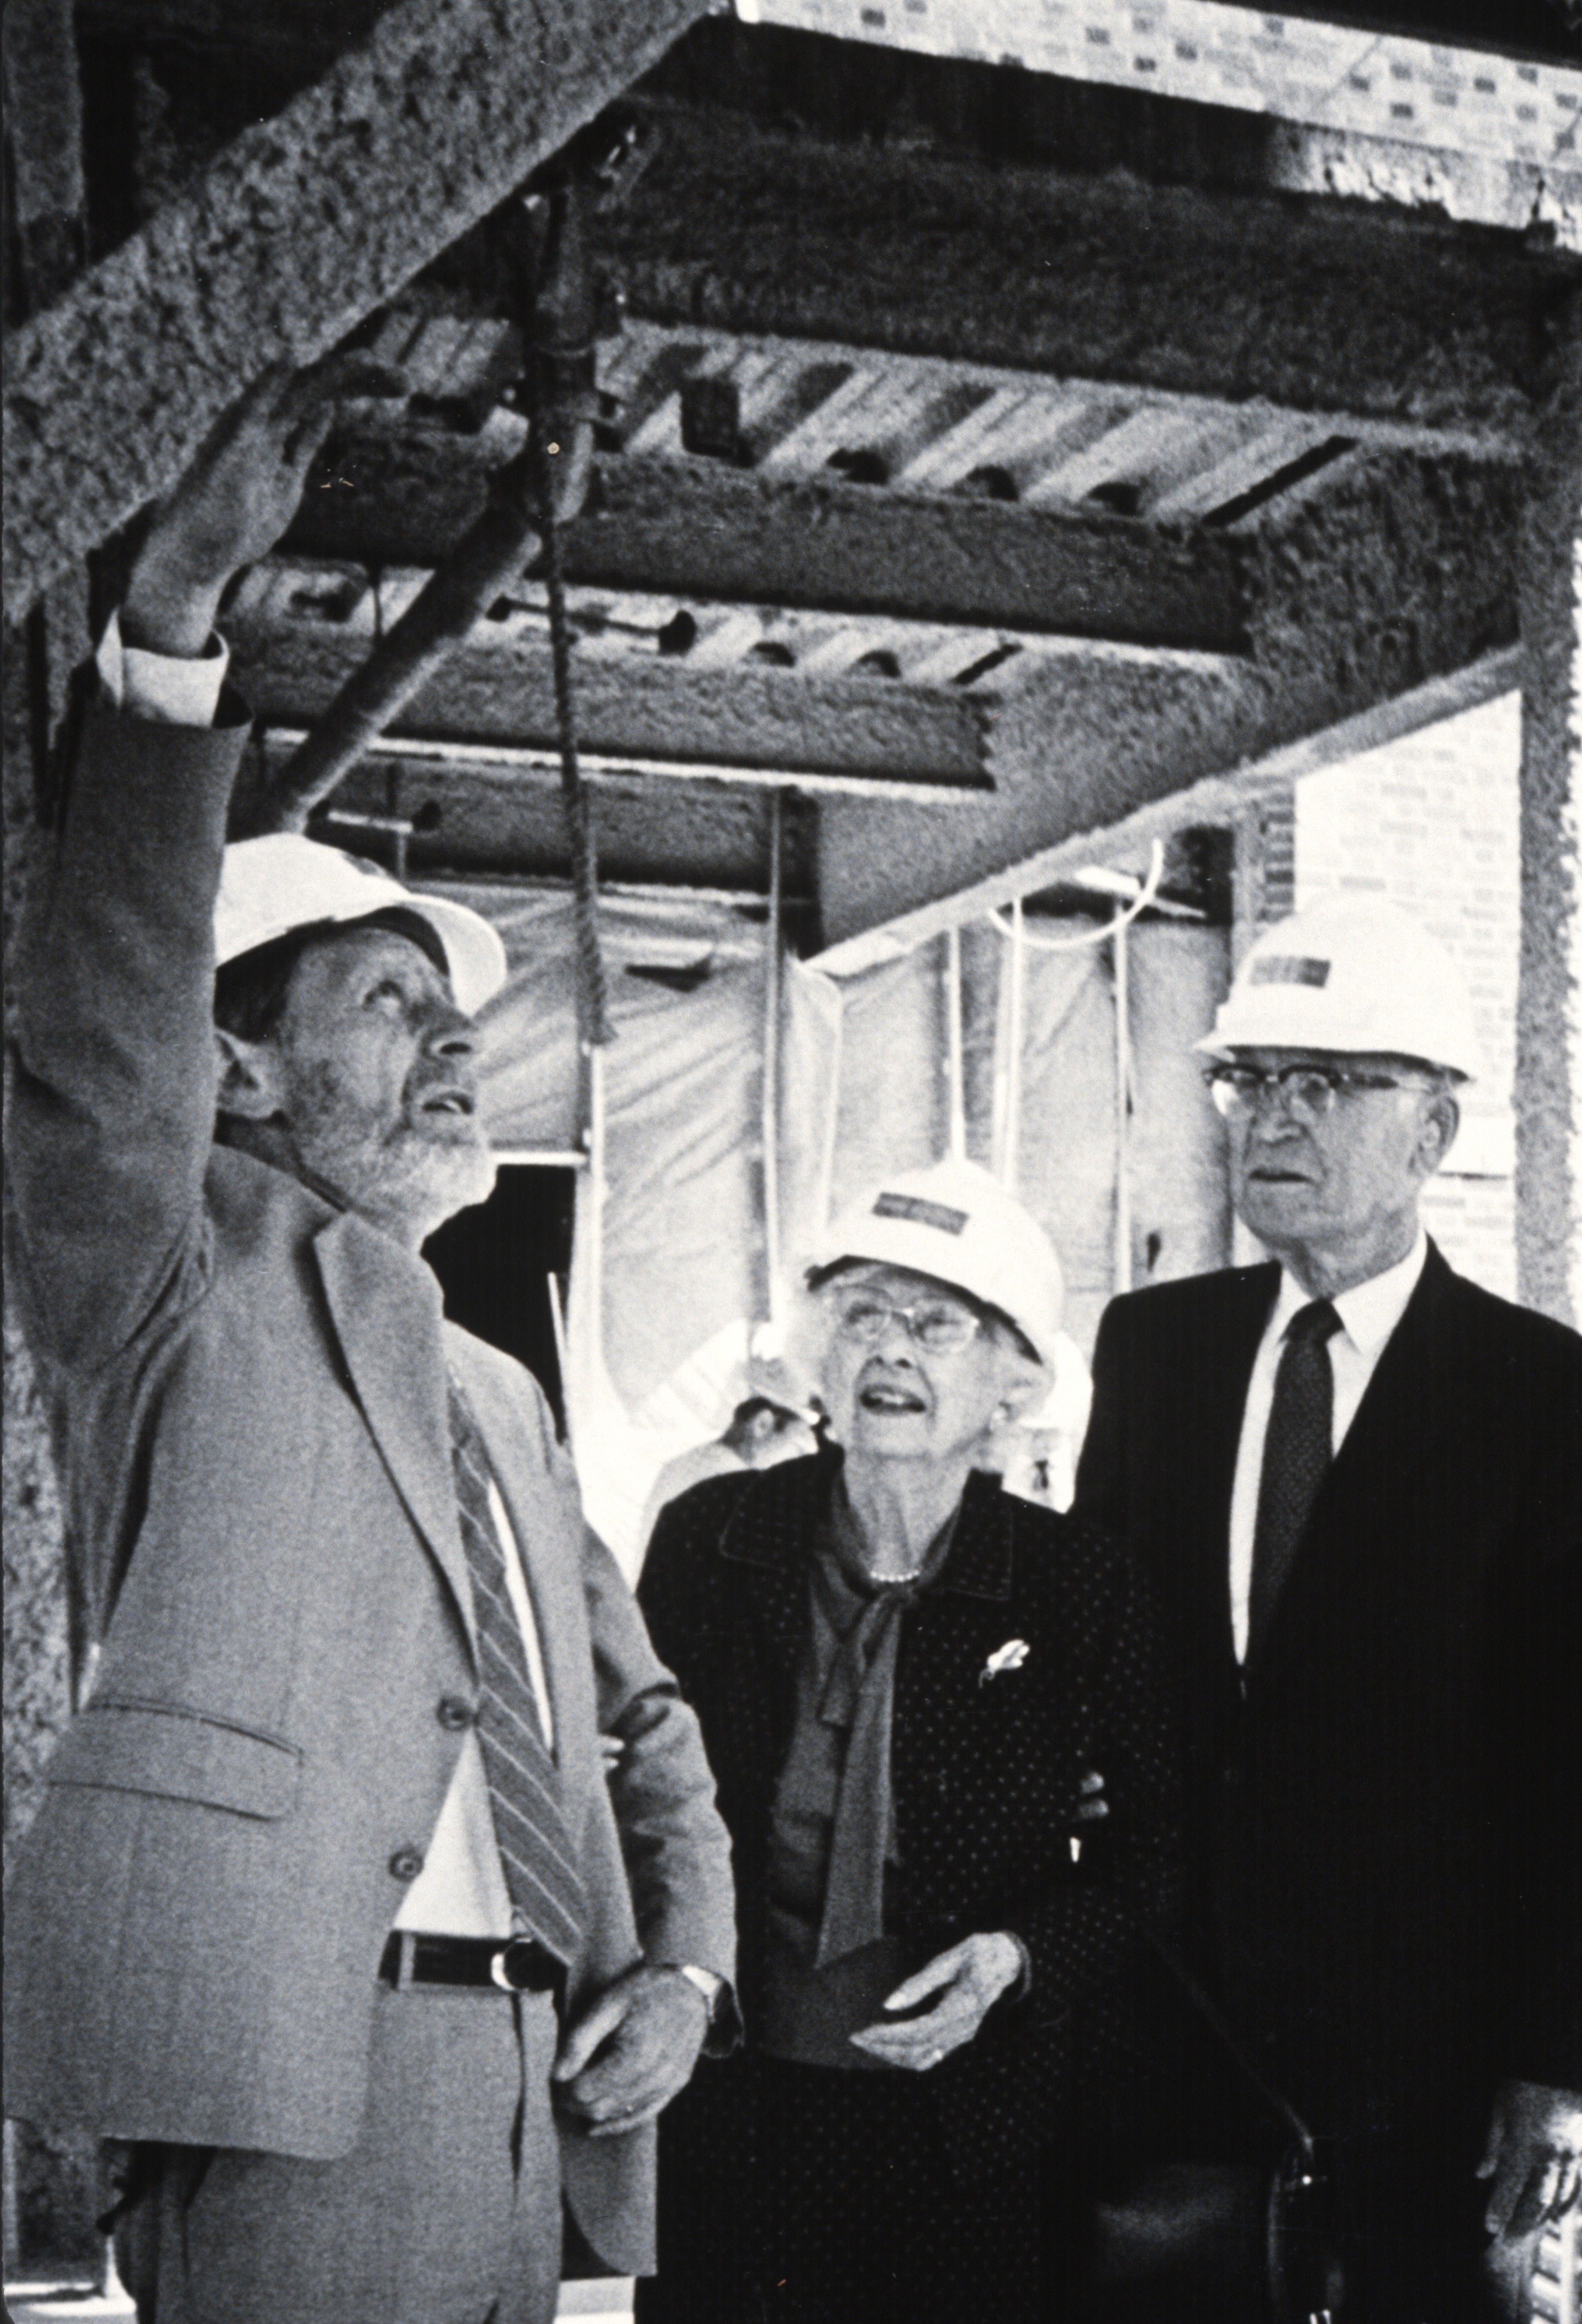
(110, 1110)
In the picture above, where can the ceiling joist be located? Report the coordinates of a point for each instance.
(806, 473)
(300, 229)
(1216, 799)
(716, 685)
(1312, 305)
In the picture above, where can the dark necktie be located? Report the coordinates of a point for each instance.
(535, 1851)
(1296, 1454)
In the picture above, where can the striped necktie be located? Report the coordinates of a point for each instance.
(535, 1850)
(1297, 1451)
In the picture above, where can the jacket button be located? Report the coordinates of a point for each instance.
(1231, 1777)
(406, 1864)
(453, 1713)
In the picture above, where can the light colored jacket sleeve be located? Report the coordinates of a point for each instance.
(674, 1844)
(110, 1110)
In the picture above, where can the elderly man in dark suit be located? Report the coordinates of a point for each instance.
(1358, 1480)
(337, 1911)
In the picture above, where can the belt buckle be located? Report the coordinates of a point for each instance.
(500, 1964)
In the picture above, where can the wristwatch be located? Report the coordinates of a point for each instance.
(707, 1983)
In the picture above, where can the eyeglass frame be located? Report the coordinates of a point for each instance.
(1244, 1087)
(886, 1309)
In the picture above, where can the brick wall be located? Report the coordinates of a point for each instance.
(1431, 822)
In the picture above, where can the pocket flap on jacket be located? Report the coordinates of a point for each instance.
(178, 1755)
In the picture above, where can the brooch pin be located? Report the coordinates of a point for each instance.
(1009, 1657)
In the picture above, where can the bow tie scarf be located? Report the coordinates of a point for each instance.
(856, 1701)
(536, 1851)
(1298, 1448)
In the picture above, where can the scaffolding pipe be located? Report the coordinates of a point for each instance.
(953, 1061)
(1013, 1128)
(486, 560)
(1122, 1091)
(826, 1167)
(773, 959)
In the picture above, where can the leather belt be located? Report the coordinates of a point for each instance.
(510, 1964)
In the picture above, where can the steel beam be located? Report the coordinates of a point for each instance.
(1315, 305)
(703, 528)
(1215, 800)
(297, 230)
(649, 708)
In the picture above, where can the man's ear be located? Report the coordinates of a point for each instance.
(249, 1077)
(1442, 1118)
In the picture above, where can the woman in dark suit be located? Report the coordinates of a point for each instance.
(912, 1688)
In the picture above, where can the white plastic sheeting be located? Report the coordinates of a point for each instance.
(864, 1089)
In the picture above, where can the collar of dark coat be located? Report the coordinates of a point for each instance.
(1255, 1289)
(775, 1521)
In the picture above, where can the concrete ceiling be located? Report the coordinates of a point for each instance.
(957, 494)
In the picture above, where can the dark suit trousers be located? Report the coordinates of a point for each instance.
(446, 2210)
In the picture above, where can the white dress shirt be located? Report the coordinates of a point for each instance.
(1368, 1314)
(460, 1891)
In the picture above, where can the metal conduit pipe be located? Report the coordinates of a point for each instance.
(489, 556)
(955, 1065)
(773, 963)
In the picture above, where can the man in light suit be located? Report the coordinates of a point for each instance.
(337, 1912)
(1358, 1481)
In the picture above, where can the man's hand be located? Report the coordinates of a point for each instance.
(1534, 2155)
(632, 2051)
(968, 1980)
(236, 499)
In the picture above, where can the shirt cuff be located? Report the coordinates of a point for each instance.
(174, 689)
(1021, 1985)
(722, 2032)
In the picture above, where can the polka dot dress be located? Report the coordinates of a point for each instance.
(1032, 1659)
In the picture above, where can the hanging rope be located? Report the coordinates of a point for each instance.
(1102, 930)
(593, 995)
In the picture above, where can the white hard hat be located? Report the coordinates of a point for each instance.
(1353, 975)
(957, 1224)
(282, 882)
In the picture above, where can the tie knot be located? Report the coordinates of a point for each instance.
(1313, 1325)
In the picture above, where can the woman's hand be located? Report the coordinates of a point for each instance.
(969, 1980)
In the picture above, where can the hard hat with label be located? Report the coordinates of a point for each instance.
(1353, 976)
(271, 886)
(955, 1222)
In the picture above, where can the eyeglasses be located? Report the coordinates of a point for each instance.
(943, 1329)
(1309, 1092)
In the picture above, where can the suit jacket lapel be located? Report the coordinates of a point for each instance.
(387, 1317)
(1223, 1369)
